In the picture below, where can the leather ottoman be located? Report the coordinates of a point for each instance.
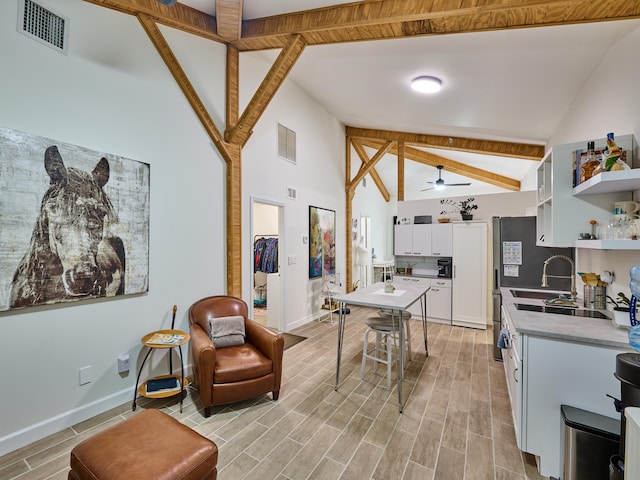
(149, 445)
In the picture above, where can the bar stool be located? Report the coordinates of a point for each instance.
(385, 349)
(406, 317)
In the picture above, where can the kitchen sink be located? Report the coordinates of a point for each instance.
(561, 310)
(539, 295)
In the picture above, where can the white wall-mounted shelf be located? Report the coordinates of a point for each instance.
(608, 244)
(607, 182)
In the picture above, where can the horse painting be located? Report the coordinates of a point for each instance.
(70, 256)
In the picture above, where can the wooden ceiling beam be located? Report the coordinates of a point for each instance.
(452, 166)
(180, 17)
(524, 151)
(357, 146)
(365, 168)
(386, 19)
(400, 166)
(380, 19)
(229, 18)
(240, 132)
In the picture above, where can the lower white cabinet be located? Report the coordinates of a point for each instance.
(398, 281)
(470, 274)
(439, 300)
(438, 297)
(558, 373)
(543, 373)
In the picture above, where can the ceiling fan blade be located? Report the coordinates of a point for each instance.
(457, 184)
(425, 189)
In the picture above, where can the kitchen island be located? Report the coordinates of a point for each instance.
(554, 360)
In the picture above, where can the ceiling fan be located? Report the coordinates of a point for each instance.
(440, 184)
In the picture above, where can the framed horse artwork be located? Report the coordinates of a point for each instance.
(74, 223)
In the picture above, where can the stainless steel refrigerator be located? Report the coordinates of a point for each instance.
(518, 262)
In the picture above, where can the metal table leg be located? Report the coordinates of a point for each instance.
(135, 390)
(341, 322)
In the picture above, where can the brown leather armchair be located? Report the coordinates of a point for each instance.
(231, 374)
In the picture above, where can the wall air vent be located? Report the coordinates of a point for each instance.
(43, 25)
(292, 193)
(286, 143)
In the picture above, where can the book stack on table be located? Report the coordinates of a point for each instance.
(157, 385)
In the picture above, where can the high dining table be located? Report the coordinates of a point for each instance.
(397, 301)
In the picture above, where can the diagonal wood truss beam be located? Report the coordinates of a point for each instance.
(183, 82)
(367, 167)
(180, 17)
(273, 80)
(433, 160)
(357, 146)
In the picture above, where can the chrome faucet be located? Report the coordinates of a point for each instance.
(574, 293)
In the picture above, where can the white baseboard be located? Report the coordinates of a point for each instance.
(67, 419)
(40, 430)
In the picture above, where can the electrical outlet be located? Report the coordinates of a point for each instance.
(85, 375)
(123, 363)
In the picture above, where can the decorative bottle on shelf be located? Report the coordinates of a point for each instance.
(589, 164)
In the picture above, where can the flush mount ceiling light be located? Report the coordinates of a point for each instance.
(168, 3)
(426, 84)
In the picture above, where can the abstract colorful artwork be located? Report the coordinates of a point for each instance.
(322, 242)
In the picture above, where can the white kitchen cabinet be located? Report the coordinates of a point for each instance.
(441, 239)
(438, 297)
(403, 242)
(439, 300)
(423, 240)
(398, 281)
(543, 373)
(512, 363)
(470, 274)
(562, 373)
(563, 212)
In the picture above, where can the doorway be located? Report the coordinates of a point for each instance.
(364, 263)
(265, 263)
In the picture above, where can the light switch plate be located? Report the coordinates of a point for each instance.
(85, 375)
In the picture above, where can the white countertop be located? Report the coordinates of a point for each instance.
(596, 331)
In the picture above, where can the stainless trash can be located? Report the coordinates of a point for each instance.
(590, 440)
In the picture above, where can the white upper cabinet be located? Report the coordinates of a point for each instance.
(563, 212)
(403, 240)
(423, 240)
(441, 239)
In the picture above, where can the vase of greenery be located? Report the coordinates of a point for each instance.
(464, 207)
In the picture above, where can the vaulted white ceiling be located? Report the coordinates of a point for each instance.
(508, 85)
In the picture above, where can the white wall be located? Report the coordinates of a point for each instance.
(317, 176)
(113, 93)
(609, 102)
(511, 204)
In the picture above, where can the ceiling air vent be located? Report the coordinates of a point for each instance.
(43, 25)
(286, 143)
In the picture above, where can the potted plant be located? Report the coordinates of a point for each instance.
(355, 285)
(464, 207)
(621, 309)
(409, 269)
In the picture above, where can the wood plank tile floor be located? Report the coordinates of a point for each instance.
(456, 422)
